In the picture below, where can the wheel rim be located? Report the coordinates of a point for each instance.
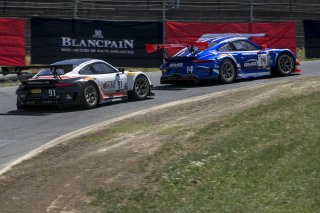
(142, 87)
(91, 95)
(286, 63)
(227, 71)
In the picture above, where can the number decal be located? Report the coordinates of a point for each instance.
(52, 92)
(190, 69)
(120, 84)
(262, 60)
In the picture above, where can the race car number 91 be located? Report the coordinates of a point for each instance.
(52, 92)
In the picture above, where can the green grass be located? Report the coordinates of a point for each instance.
(263, 160)
(301, 55)
(123, 128)
(9, 83)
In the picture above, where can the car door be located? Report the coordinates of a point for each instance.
(252, 59)
(111, 82)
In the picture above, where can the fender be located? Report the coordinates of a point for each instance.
(131, 76)
(232, 58)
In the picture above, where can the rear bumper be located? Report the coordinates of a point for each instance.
(62, 96)
(296, 70)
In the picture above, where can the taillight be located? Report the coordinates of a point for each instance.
(200, 61)
(297, 62)
(21, 86)
(62, 84)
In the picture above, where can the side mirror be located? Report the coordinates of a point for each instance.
(121, 69)
(263, 47)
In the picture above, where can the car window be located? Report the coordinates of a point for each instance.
(102, 68)
(48, 72)
(243, 46)
(225, 48)
(86, 70)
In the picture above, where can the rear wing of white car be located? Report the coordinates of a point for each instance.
(18, 70)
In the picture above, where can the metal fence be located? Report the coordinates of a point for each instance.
(153, 9)
(173, 10)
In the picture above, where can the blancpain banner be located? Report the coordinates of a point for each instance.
(120, 43)
(97, 45)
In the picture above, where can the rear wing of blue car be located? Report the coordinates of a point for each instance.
(168, 50)
(21, 75)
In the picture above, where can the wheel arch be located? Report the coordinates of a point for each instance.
(131, 81)
(232, 59)
(280, 53)
(274, 71)
(150, 84)
(93, 82)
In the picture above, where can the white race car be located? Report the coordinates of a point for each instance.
(85, 82)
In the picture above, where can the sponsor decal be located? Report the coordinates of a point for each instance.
(249, 53)
(108, 84)
(250, 63)
(97, 44)
(175, 65)
(97, 34)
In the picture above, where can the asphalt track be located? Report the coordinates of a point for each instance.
(23, 131)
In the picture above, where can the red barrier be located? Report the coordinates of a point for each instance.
(272, 34)
(12, 42)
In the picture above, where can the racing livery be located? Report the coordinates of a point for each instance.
(225, 59)
(85, 82)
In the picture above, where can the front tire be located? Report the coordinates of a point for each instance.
(227, 73)
(285, 65)
(141, 88)
(90, 96)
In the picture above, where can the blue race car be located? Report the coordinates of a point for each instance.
(226, 59)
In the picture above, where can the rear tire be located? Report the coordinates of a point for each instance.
(20, 107)
(141, 88)
(90, 96)
(227, 73)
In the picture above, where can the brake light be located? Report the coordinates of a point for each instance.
(61, 84)
(200, 61)
(21, 86)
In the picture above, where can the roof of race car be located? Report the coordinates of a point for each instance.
(222, 39)
(74, 62)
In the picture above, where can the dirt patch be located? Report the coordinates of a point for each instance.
(60, 178)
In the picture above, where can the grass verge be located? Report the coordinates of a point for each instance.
(9, 83)
(262, 160)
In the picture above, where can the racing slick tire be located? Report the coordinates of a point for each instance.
(90, 96)
(285, 65)
(227, 72)
(20, 107)
(141, 88)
